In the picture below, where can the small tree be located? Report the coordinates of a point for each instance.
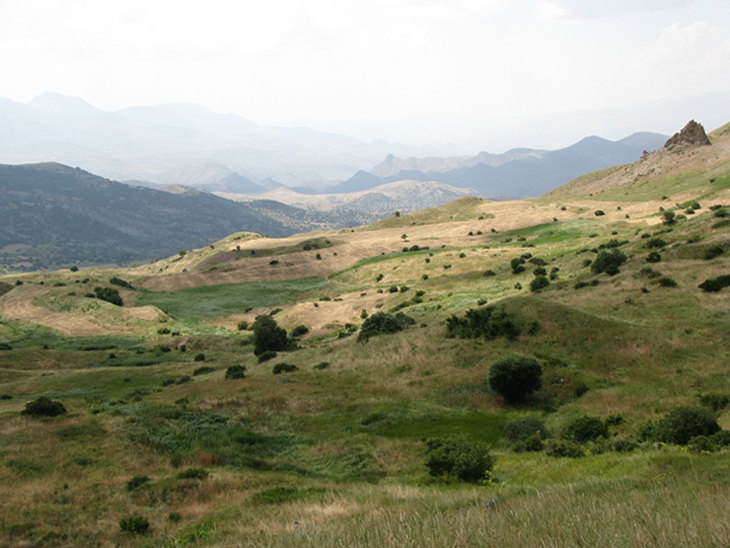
(608, 262)
(44, 407)
(268, 336)
(515, 377)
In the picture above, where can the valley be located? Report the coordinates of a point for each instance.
(180, 429)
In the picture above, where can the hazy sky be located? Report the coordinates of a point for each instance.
(449, 62)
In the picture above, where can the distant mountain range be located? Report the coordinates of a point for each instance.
(181, 143)
(516, 173)
(53, 215)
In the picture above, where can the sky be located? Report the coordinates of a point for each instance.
(396, 69)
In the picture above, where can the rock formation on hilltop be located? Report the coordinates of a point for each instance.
(692, 134)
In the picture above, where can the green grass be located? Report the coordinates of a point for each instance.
(218, 300)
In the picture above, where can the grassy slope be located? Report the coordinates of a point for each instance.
(347, 434)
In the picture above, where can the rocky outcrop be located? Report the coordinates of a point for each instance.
(693, 134)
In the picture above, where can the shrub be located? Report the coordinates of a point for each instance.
(653, 257)
(564, 448)
(540, 271)
(193, 473)
(300, 331)
(118, 281)
(715, 401)
(382, 322)
(682, 424)
(136, 482)
(540, 282)
(713, 252)
(666, 282)
(44, 407)
(5, 346)
(235, 372)
(109, 295)
(489, 273)
(599, 212)
(515, 377)
(268, 336)
(199, 357)
(267, 355)
(520, 430)
(322, 365)
(137, 525)
(655, 243)
(668, 217)
(163, 330)
(280, 368)
(608, 262)
(242, 325)
(712, 285)
(488, 322)
(585, 429)
(460, 457)
(202, 371)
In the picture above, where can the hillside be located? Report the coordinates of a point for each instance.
(53, 215)
(181, 430)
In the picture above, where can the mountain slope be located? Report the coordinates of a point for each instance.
(51, 215)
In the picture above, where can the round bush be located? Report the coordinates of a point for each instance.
(585, 429)
(44, 407)
(538, 283)
(680, 425)
(515, 377)
(461, 457)
(236, 372)
(136, 525)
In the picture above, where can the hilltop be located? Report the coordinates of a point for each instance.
(176, 418)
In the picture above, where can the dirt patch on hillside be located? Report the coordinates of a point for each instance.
(18, 305)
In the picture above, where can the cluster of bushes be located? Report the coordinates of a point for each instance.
(382, 322)
(488, 322)
(695, 427)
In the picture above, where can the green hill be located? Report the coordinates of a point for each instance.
(333, 440)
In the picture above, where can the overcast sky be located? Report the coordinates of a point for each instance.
(454, 63)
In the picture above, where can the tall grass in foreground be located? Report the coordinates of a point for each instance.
(665, 516)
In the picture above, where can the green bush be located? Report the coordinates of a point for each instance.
(200, 357)
(267, 355)
(460, 457)
(44, 407)
(655, 243)
(520, 430)
(236, 372)
(300, 331)
(712, 285)
(515, 377)
(118, 281)
(715, 401)
(713, 252)
(583, 429)
(681, 425)
(193, 473)
(608, 262)
(109, 295)
(516, 265)
(653, 257)
(242, 325)
(382, 322)
(136, 525)
(280, 368)
(564, 448)
(667, 282)
(488, 322)
(539, 282)
(136, 482)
